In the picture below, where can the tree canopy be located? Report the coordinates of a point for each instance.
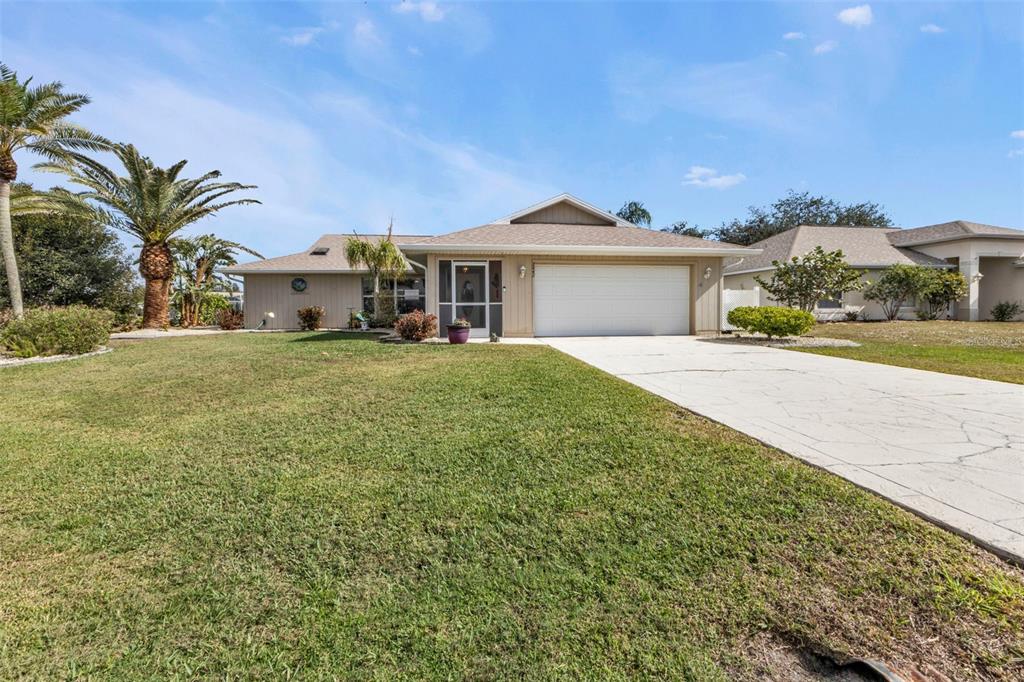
(818, 275)
(634, 212)
(69, 258)
(796, 209)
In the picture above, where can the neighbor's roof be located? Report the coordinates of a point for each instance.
(552, 238)
(944, 232)
(863, 247)
(333, 261)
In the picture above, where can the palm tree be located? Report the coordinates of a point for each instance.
(196, 262)
(150, 203)
(33, 119)
(382, 258)
(634, 212)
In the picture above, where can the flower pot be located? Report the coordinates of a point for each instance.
(458, 334)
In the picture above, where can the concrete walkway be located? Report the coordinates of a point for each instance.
(949, 448)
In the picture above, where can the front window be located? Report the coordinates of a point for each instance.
(409, 293)
(829, 304)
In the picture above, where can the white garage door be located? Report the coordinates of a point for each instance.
(611, 300)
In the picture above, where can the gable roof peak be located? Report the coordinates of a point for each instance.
(572, 200)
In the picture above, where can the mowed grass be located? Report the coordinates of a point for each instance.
(322, 505)
(987, 350)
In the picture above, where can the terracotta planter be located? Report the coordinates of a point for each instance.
(458, 334)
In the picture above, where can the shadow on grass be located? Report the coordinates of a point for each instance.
(308, 337)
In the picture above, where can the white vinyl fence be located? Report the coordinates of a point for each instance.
(735, 298)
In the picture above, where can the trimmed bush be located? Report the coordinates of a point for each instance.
(229, 318)
(384, 314)
(771, 321)
(1005, 311)
(310, 318)
(416, 326)
(51, 331)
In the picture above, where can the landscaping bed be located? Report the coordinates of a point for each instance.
(987, 350)
(322, 505)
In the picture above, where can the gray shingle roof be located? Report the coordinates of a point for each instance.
(958, 229)
(333, 261)
(556, 234)
(864, 247)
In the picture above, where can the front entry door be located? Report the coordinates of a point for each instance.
(469, 288)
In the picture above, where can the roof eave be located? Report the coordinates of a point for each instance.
(957, 238)
(566, 249)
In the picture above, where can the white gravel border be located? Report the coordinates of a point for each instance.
(17, 362)
(786, 342)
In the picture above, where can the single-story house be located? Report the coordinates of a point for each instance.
(990, 258)
(562, 267)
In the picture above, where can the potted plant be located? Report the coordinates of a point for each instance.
(458, 331)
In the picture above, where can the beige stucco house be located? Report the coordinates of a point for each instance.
(990, 258)
(561, 267)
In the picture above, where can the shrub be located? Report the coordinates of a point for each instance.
(384, 314)
(852, 315)
(6, 315)
(311, 317)
(416, 326)
(899, 284)
(464, 323)
(771, 321)
(1005, 311)
(51, 331)
(229, 318)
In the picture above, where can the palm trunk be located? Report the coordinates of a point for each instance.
(156, 265)
(7, 248)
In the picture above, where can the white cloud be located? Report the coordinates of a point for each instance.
(365, 34)
(428, 11)
(825, 47)
(702, 176)
(793, 35)
(932, 28)
(414, 51)
(1017, 134)
(1014, 153)
(859, 16)
(302, 37)
(758, 93)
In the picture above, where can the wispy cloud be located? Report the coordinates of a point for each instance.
(1014, 153)
(932, 28)
(428, 11)
(1017, 134)
(365, 33)
(859, 16)
(709, 178)
(793, 35)
(825, 47)
(756, 93)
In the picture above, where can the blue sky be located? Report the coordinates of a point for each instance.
(450, 115)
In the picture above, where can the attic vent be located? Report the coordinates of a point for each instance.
(319, 251)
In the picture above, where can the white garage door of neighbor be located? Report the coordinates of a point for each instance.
(611, 300)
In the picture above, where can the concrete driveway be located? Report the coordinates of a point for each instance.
(949, 448)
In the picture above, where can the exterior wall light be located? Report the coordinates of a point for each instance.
(522, 272)
(707, 272)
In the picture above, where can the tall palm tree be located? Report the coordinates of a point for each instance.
(196, 262)
(150, 203)
(33, 119)
(382, 258)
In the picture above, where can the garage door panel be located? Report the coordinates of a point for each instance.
(581, 300)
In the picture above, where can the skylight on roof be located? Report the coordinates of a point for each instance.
(319, 251)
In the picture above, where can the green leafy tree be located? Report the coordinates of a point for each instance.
(897, 285)
(152, 204)
(382, 259)
(196, 280)
(942, 287)
(33, 119)
(634, 212)
(684, 228)
(800, 209)
(68, 258)
(803, 281)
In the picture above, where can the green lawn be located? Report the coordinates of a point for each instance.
(988, 350)
(322, 505)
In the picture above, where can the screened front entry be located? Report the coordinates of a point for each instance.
(470, 290)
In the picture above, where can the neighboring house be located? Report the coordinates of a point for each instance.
(562, 267)
(990, 258)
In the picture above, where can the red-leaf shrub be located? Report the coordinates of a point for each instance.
(229, 318)
(311, 317)
(416, 326)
